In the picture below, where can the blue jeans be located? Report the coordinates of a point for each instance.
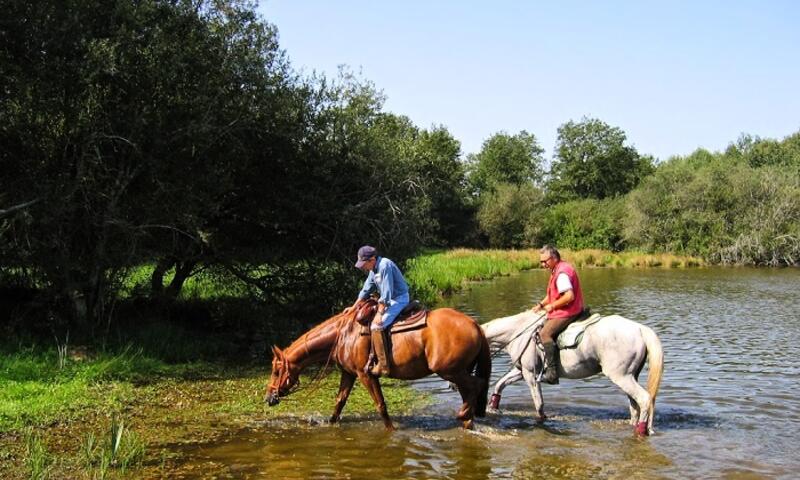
(396, 305)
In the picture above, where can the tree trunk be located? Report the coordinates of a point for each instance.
(182, 271)
(157, 278)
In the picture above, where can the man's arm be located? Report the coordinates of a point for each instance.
(369, 284)
(564, 299)
(387, 287)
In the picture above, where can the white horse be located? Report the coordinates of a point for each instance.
(614, 345)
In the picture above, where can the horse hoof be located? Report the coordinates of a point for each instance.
(468, 425)
(541, 419)
(494, 402)
(641, 429)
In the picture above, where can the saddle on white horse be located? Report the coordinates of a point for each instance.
(572, 335)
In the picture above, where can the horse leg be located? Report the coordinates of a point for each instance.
(536, 393)
(345, 387)
(634, 407)
(373, 386)
(468, 387)
(513, 375)
(639, 395)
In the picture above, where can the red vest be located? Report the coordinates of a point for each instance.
(576, 305)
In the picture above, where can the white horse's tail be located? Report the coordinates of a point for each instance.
(655, 358)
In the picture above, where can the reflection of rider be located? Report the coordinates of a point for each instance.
(563, 304)
(387, 278)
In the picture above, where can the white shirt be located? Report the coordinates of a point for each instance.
(562, 283)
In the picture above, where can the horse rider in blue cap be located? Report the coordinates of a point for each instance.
(384, 276)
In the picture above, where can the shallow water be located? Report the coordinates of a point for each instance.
(727, 406)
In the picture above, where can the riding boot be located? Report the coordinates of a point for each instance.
(551, 358)
(379, 344)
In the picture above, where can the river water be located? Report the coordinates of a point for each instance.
(727, 408)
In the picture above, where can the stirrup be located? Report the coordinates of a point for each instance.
(371, 361)
(376, 371)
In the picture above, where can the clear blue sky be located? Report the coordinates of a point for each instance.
(674, 76)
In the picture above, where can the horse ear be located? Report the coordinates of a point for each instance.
(276, 352)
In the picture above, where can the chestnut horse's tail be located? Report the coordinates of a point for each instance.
(483, 370)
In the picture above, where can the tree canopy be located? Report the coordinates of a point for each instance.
(592, 161)
(506, 159)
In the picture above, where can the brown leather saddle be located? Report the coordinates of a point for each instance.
(414, 316)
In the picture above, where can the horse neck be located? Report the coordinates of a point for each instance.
(315, 345)
(503, 330)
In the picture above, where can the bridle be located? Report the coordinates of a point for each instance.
(285, 377)
(537, 325)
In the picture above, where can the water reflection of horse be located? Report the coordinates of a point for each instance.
(452, 345)
(615, 346)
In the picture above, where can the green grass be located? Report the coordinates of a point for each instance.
(436, 274)
(35, 389)
(38, 460)
(205, 285)
(102, 414)
(631, 259)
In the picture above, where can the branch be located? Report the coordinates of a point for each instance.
(9, 211)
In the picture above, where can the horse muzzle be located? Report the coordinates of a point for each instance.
(272, 399)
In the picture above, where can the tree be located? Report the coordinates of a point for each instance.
(123, 121)
(511, 159)
(505, 213)
(758, 152)
(592, 161)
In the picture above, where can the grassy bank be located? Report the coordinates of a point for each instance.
(435, 274)
(75, 414)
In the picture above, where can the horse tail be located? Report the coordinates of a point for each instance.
(655, 357)
(483, 370)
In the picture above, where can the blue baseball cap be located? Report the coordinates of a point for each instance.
(365, 254)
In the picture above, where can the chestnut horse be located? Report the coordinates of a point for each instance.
(452, 345)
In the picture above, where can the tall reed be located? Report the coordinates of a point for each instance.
(37, 458)
(432, 275)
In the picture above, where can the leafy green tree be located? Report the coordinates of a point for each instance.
(758, 152)
(505, 213)
(122, 119)
(592, 161)
(511, 159)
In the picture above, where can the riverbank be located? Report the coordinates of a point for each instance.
(436, 274)
(85, 415)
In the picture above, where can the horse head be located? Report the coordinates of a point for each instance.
(284, 378)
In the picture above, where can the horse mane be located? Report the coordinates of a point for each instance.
(321, 330)
(510, 327)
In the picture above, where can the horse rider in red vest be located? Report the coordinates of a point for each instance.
(563, 304)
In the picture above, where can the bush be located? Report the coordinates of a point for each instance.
(581, 224)
(719, 207)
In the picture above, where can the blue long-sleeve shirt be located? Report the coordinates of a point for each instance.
(386, 277)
